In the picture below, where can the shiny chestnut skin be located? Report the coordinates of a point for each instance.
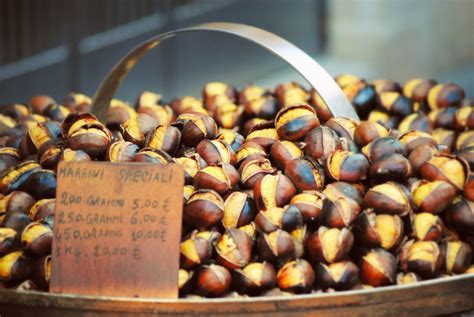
(9, 241)
(290, 93)
(339, 275)
(383, 85)
(344, 127)
(367, 132)
(379, 231)
(362, 96)
(321, 142)
(195, 127)
(234, 249)
(77, 102)
(239, 210)
(383, 118)
(445, 95)
(191, 163)
(288, 218)
(9, 157)
(249, 151)
(420, 155)
(149, 155)
(253, 170)
(273, 191)
(464, 118)
(390, 167)
(37, 238)
(310, 204)
(383, 146)
(38, 135)
(339, 213)
(305, 173)
(457, 256)
(221, 178)
(413, 139)
(389, 198)
(421, 257)
(293, 122)
(16, 201)
(41, 272)
(121, 151)
(446, 168)
(186, 104)
(443, 118)
(39, 102)
(41, 184)
(282, 152)
(42, 209)
(264, 134)
(254, 278)
(232, 138)
(428, 227)
(15, 266)
(460, 215)
(265, 107)
(416, 121)
(278, 247)
(378, 268)
(347, 166)
(417, 89)
(216, 151)
(329, 245)
(296, 276)
(165, 138)
(194, 251)
(203, 209)
(338, 190)
(213, 280)
(251, 92)
(432, 197)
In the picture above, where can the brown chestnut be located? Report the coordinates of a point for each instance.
(407, 278)
(296, 276)
(293, 122)
(415, 121)
(389, 122)
(310, 204)
(321, 142)
(41, 272)
(421, 257)
(339, 276)
(460, 215)
(234, 249)
(329, 245)
(273, 191)
(445, 95)
(37, 238)
(121, 152)
(322, 109)
(195, 127)
(15, 266)
(288, 218)
(203, 209)
(389, 198)
(413, 139)
(362, 96)
(379, 231)
(264, 134)
(347, 166)
(41, 209)
(16, 201)
(420, 155)
(432, 197)
(250, 151)
(417, 89)
(8, 241)
(290, 93)
(253, 170)
(278, 247)
(254, 278)
(216, 151)
(283, 151)
(457, 256)
(367, 132)
(232, 138)
(194, 251)
(390, 167)
(339, 212)
(446, 168)
(428, 227)
(251, 92)
(239, 210)
(165, 138)
(221, 178)
(378, 268)
(265, 107)
(464, 118)
(15, 177)
(305, 173)
(213, 280)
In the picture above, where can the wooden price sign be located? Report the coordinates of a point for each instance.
(117, 229)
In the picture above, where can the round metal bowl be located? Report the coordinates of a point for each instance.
(436, 297)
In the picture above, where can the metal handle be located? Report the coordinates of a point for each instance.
(316, 76)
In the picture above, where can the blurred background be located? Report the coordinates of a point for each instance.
(56, 46)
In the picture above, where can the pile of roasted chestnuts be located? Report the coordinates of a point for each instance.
(280, 197)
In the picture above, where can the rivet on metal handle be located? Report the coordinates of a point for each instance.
(316, 76)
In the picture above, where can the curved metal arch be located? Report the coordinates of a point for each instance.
(309, 69)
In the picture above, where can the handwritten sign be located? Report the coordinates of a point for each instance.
(117, 229)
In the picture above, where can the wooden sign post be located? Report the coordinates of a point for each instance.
(117, 229)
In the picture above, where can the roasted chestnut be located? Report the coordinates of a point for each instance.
(221, 178)
(194, 251)
(265, 107)
(121, 152)
(428, 227)
(234, 249)
(274, 218)
(457, 256)
(432, 197)
(253, 170)
(284, 151)
(390, 167)
(416, 121)
(421, 257)
(367, 132)
(264, 134)
(15, 266)
(254, 278)
(293, 122)
(310, 204)
(37, 238)
(339, 212)
(216, 151)
(379, 231)
(296, 276)
(329, 245)
(378, 268)
(339, 276)
(165, 138)
(347, 166)
(460, 215)
(445, 95)
(446, 168)
(203, 209)
(278, 247)
(273, 191)
(389, 198)
(305, 173)
(213, 280)
(195, 127)
(239, 210)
